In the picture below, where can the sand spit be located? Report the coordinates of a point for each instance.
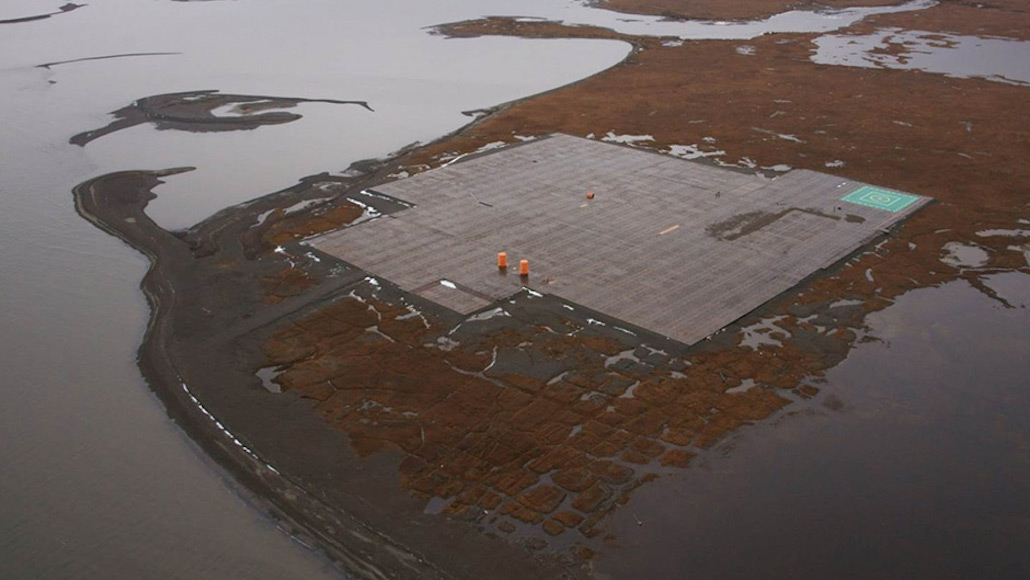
(68, 7)
(195, 111)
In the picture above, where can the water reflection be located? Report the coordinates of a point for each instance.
(913, 462)
(995, 59)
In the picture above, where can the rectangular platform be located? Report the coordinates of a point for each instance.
(678, 247)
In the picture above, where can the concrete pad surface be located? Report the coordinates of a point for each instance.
(678, 247)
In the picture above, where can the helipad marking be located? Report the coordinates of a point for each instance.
(877, 198)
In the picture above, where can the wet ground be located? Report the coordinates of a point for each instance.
(913, 462)
(550, 442)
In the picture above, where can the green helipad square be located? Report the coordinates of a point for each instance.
(880, 198)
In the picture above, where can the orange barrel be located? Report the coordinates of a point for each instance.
(524, 267)
(502, 260)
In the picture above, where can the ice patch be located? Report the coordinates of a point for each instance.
(488, 315)
(630, 390)
(1025, 249)
(267, 376)
(414, 313)
(758, 334)
(1005, 233)
(784, 136)
(745, 385)
(490, 147)
(374, 195)
(693, 152)
(445, 344)
(611, 137)
(822, 20)
(624, 355)
(846, 302)
(368, 212)
(238, 110)
(964, 256)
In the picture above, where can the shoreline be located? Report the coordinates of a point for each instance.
(348, 541)
(349, 536)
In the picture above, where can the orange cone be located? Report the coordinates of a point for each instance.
(590, 195)
(524, 268)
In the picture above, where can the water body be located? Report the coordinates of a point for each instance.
(913, 462)
(95, 480)
(791, 21)
(417, 83)
(995, 59)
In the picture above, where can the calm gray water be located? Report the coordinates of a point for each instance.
(95, 481)
(995, 59)
(913, 462)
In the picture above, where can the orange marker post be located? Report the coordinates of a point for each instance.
(502, 260)
(524, 268)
